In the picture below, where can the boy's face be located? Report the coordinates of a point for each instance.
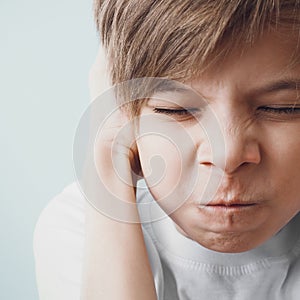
(253, 97)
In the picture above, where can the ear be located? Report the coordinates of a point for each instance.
(135, 161)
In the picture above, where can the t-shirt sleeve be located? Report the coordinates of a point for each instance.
(58, 246)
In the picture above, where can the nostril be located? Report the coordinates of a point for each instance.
(206, 163)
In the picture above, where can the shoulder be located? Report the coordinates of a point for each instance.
(58, 245)
(66, 210)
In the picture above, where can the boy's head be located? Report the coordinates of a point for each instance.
(241, 58)
(181, 39)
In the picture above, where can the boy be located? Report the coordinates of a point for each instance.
(239, 60)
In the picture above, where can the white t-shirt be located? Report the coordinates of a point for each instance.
(182, 268)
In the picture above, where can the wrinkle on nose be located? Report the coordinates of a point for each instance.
(237, 147)
(241, 148)
(232, 139)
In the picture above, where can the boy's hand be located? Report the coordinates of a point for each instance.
(112, 167)
(98, 75)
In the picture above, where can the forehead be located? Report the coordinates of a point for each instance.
(273, 57)
(270, 64)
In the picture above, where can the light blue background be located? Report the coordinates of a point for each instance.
(46, 50)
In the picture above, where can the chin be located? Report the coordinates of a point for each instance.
(227, 242)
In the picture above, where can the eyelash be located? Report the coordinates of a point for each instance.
(273, 112)
(178, 112)
(281, 110)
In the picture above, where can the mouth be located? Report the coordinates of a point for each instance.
(231, 216)
(228, 205)
(232, 204)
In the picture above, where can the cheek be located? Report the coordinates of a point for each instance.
(282, 152)
(167, 155)
(170, 164)
(162, 164)
(281, 163)
(170, 170)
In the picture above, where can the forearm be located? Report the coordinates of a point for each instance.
(116, 263)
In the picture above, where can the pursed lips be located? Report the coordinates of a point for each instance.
(230, 203)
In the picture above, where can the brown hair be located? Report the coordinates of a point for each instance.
(178, 39)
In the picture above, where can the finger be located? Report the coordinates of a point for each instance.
(99, 80)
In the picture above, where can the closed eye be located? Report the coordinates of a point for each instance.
(280, 110)
(173, 111)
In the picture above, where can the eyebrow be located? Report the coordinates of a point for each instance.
(168, 85)
(277, 86)
(285, 84)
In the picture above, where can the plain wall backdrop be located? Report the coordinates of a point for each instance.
(47, 48)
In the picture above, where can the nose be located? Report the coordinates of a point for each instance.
(235, 146)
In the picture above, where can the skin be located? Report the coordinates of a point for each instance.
(188, 168)
(259, 167)
(115, 253)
